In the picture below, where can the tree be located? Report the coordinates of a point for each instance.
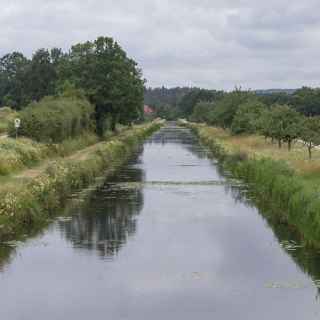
(42, 75)
(247, 117)
(13, 80)
(307, 101)
(310, 133)
(282, 123)
(227, 107)
(202, 110)
(111, 80)
(189, 101)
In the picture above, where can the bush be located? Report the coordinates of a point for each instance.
(7, 116)
(55, 119)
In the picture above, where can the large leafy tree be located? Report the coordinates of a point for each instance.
(246, 119)
(226, 109)
(111, 80)
(42, 75)
(13, 80)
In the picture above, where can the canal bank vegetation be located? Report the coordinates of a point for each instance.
(30, 198)
(286, 182)
(7, 116)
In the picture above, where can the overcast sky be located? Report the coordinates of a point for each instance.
(207, 43)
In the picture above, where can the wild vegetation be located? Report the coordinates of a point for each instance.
(7, 116)
(286, 182)
(30, 198)
(54, 119)
(107, 77)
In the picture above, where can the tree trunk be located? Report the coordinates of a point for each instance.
(310, 153)
(279, 143)
(289, 145)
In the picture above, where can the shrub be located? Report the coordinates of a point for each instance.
(55, 119)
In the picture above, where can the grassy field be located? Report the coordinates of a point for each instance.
(286, 184)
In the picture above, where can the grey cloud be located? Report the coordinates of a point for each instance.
(208, 43)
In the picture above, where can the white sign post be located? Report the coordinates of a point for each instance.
(17, 124)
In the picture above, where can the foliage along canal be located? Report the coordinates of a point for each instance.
(170, 236)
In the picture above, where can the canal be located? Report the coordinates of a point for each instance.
(170, 236)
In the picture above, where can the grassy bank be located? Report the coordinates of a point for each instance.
(32, 197)
(22, 153)
(287, 183)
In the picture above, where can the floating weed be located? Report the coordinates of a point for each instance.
(290, 245)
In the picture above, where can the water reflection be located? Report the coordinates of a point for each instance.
(107, 218)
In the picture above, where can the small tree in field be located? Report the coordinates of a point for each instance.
(284, 124)
(246, 119)
(311, 133)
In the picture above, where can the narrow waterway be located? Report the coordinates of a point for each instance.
(169, 237)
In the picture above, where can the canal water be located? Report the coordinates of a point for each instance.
(169, 237)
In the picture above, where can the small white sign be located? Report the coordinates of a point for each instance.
(17, 123)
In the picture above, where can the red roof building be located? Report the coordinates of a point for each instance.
(148, 110)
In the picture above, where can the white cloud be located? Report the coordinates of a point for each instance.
(209, 43)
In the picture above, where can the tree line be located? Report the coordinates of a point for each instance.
(100, 69)
(245, 112)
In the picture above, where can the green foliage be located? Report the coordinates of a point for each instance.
(189, 101)
(310, 133)
(110, 80)
(55, 119)
(202, 111)
(7, 116)
(307, 101)
(246, 119)
(227, 107)
(282, 123)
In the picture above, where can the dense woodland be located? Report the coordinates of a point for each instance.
(99, 71)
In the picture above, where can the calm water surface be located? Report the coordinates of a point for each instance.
(169, 237)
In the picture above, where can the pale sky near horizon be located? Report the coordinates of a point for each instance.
(208, 43)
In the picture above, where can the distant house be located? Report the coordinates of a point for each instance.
(148, 110)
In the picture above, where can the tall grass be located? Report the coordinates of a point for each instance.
(22, 153)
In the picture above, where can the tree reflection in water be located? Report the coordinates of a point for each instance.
(108, 217)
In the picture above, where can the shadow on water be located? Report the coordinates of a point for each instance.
(107, 217)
